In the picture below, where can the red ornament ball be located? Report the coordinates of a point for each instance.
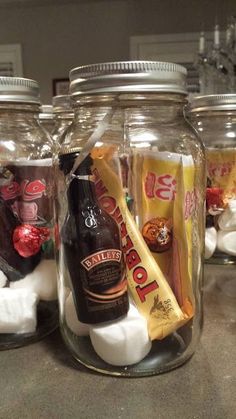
(27, 239)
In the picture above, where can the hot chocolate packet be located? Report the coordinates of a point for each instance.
(26, 188)
(29, 190)
(155, 191)
(221, 174)
(180, 276)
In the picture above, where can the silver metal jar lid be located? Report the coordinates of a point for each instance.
(213, 102)
(128, 77)
(62, 103)
(18, 89)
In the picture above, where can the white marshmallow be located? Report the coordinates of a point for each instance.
(42, 281)
(226, 242)
(227, 220)
(123, 342)
(77, 327)
(210, 241)
(3, 279)
(17, 311)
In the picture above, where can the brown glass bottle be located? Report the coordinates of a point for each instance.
(93, 251)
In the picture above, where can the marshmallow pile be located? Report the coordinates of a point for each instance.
(120, 343)
(42, 281)
(17, 311)
(223, 239)
(18, 302)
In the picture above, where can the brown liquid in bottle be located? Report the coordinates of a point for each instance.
(93, 251)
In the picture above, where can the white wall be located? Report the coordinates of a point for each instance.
(57, 36)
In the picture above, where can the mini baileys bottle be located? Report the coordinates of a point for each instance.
(93, 250)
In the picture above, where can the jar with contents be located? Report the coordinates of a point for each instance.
(28, 286)
(63, 115)
(131, 222)
(214, 117)
(46, 117)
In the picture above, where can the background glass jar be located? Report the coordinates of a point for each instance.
(214, 117)
(63, 115)
(46, 117)
(131, 154)
(28, 291)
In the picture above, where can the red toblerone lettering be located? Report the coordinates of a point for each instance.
(108, 203)
(139, 274)
(123, 230)
(117, 215)
(100, 189)
(132, 259)
(146, 289)
(129, 244)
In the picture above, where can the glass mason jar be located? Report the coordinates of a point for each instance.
(63, 115)
(214, 117)
(28, 286)
(46, 117)
(131, 222)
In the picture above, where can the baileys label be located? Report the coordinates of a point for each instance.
(109, 255)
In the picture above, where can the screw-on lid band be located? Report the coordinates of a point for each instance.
(128, 76)
(17, 89)
(213, 102)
